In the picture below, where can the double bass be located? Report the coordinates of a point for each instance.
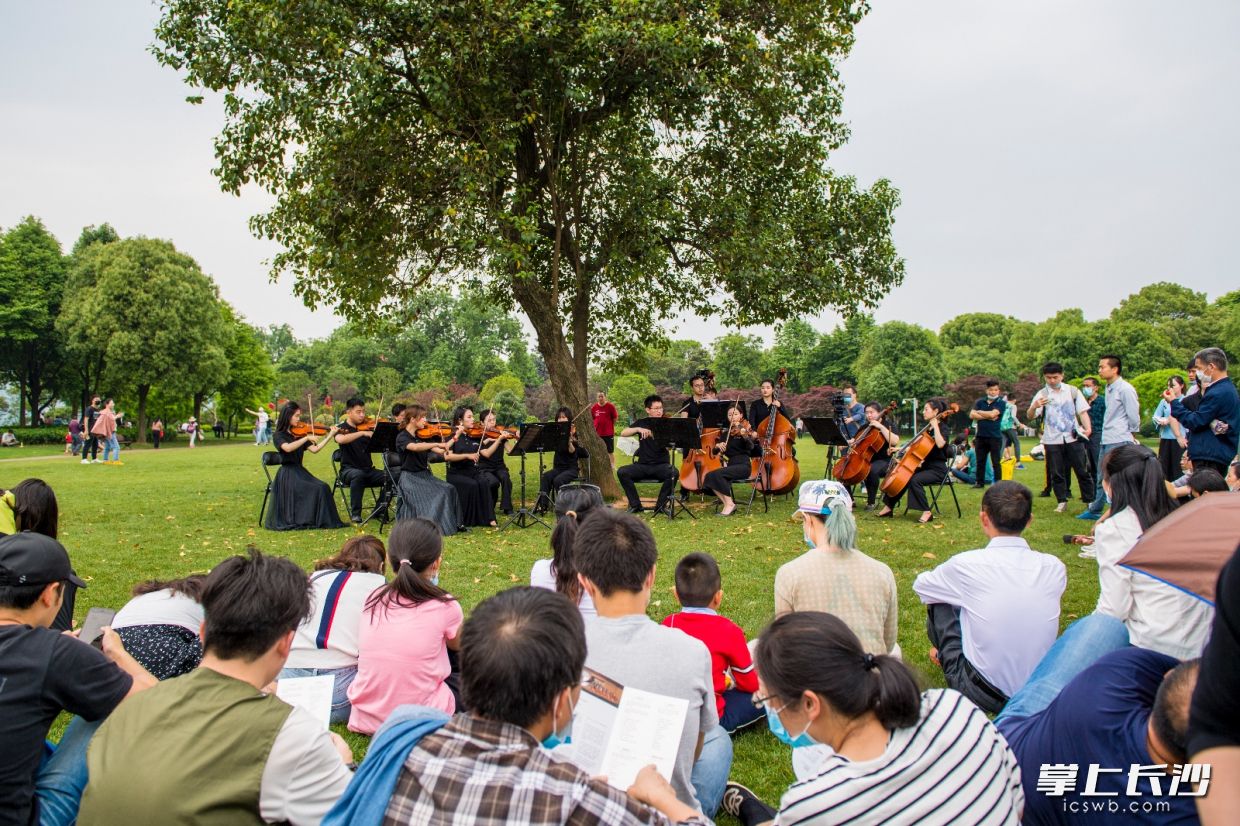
(852, 467)
(909, 458)
(776, 470)
(700, 461)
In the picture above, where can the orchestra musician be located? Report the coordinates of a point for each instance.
(474, 493)
(932, 470)
(421, 494)
(298, 498)
(491, 467)
(563, 467)
(737, 448)
(878, 464)
(760, 409)
(697, 384)
(357, 468)
(649, 463)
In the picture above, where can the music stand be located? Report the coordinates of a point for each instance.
(536, 437)
(715, 413)
(383, 439)
(670, 434)
(826, 431)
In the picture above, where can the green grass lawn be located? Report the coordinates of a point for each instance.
(171, 512)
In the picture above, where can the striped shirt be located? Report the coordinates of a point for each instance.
(952, 767)
(486, 772)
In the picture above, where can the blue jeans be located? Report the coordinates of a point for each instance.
(340, 689)
(1080, 646)
(710, 772)
(61, 778)
(113, 447)
(739, 710)
(1100, 496)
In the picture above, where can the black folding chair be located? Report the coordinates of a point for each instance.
(376, 493)
(935, 491)
(268, 460)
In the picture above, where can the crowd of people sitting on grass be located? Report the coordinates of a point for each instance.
(176, 720)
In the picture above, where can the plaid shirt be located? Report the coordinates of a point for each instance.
(480, 771)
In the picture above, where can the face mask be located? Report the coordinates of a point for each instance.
(1088, 391)
(1203, 378)
(556, 738)
(435, 580)
(777, 728)
(809, 543)
(848, 400)
(991, 398)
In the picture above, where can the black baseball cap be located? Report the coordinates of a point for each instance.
(28, 558)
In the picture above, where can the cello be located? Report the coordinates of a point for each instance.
(906, 461)
(776, 471)
(854, 465)
(700, 461)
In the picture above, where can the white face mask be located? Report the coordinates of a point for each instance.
(1203, 378)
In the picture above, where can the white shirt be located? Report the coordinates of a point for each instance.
(332, 643)
(541, 577)
(1159, 617)
(1008, 595)
(262, 419)
(1060, 414)
(304, 775)
(164, 607)
(1123, 415)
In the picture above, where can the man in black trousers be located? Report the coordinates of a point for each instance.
(986, 412)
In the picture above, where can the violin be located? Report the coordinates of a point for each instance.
(302, 429)
(480, 432)
(852, 467)
(441, 431)
(910, 457)
(776, 471)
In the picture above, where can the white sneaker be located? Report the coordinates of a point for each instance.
(1087, 553)
(86, 461)
(1061, 507)
(96, 461)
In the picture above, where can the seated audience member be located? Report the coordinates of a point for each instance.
(407, 629)
(1214, 718)
(699, 588)
(1159, 616)
(327, 642)
(964, 465)
(1206, 481)
(1128, 711)
(161, 624)
(994, 612)
(1178, 488)
(522, 653)
(833, 576)
(896, 756)
(210, 746)
(9, 439)
(42, 673)
(1233, 476)
(558, 573)
(615, 555)
(34, 508)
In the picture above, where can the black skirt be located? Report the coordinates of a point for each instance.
(300, 501)
(721, 480)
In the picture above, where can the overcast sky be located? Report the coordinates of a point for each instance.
(1049, 154)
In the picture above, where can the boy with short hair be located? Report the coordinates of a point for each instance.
(699, 588)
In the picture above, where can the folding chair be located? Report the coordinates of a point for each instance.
(935, 491)
(268, 460)
(376, 494)
(748, 503)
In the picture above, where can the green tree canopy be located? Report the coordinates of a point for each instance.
(831, 361)
(32, 283)
(738, 360)
(990, 331)
(504, 382)
(900, 361)
(250, 374)
(628, 392)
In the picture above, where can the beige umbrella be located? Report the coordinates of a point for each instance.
(1189, 548)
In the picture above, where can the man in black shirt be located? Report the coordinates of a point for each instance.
(88, 421)
(987, 411)
(357, 468)
(650, 463)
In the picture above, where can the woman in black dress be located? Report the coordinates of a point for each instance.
(421, 494)
(299, 499)
(739, 447)
(563, 467)
(477, 504)
(491, 467)
(932, 471)
(878, 465)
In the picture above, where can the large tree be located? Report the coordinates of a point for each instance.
(900, 361)
(604, 166)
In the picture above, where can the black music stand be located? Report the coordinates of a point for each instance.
(536, 437)
(383, 441)
(670, 434)
(715, 413)
(383, 438)
(826, 431)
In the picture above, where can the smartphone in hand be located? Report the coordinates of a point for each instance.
(93, 625)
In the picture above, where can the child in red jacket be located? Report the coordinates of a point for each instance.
(699, 587)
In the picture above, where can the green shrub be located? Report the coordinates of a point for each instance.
(51, 435)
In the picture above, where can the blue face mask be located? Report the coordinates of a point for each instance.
(777, 728)
(558, 738)
(848, 400)
(435, 580)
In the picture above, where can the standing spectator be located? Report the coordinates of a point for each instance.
(854, 420)
(1214, 427)
(1009, 426)
(1097, 415)
(1061, 407)
(157, 431)
(105, 428)
(993, 613)
(260, 424)
(1171, 441)
(1192, 395)
(217, 429)
(89, 417)
(987, 412)
(1120, 426)
(604, 415)
(75, 434)
(191, 427)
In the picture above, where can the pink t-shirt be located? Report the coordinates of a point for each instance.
(402, 658)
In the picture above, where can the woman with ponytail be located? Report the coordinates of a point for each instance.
(896, 755)
(409, 635)
(1158, 616)
(558, 573)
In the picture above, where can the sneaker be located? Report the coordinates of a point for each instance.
(118, 463)
(734, 794)
(638, 509)
(1061, 507)
(1087, 553)
(1019, 466)
(1045, 494)
(1090, 515)
(96, 461)
(86, 461)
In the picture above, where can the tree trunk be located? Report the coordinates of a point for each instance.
(198, 399)
(144, 390)
(21, 397)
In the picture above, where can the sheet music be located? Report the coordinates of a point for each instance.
(314, 694)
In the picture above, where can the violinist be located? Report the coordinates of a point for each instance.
(477, 504)
(563, 467)
(357, 468)
(649, 463)
(932, 470)
(878, 464)
(491, 465)
(760, 409)
(299, 500)
(421, 494)
(737, 448)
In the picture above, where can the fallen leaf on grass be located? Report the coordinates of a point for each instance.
(928, 555)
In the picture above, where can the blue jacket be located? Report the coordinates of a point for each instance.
(1219, 403)
(366, 799)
